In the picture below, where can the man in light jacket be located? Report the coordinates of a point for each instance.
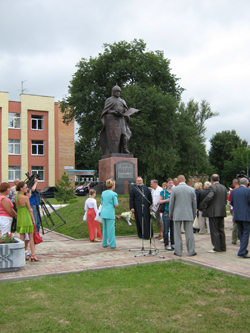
(182, 208)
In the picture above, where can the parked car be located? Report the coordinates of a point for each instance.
(49, 192)
(84, 189)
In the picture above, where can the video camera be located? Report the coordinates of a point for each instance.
(241, 174)
(31, 179)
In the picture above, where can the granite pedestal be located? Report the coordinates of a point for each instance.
(120, 167)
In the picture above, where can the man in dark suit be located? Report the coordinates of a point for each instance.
(215, 209)
(135, 202)
(240, 200)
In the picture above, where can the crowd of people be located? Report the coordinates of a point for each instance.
(178, 209)
(15, 202)
(195, 209)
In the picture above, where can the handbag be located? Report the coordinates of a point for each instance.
(13, 225)
(98, 215)
(14, 221)
(37, 238)
(161, 207)
(196, 224)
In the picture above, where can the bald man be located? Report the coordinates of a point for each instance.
(182, 208)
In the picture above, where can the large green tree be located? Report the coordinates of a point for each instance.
(147, 84)
(223, 145)
(237, 162)
(191, 137)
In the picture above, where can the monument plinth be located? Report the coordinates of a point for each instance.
(120, 167)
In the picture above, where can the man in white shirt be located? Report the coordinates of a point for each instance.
(156, 190)
(13, 191)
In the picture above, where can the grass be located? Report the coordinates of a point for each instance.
(167, 297)
(77, 228)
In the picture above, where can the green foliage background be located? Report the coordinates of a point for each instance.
(228, 155)
(167, 137)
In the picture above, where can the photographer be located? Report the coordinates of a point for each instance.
(34, 203)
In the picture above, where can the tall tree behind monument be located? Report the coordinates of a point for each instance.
(147, 84)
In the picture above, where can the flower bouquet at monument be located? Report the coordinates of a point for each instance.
(127, 217)
(7, 238)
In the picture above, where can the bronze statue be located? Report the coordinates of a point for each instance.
(115, 133)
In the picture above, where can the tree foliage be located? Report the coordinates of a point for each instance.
(223, 146)
(237, 162)
(162, 147)
(191, 137)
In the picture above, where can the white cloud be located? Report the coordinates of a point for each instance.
(208, 43)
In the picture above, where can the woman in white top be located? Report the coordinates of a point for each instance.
(91, 210)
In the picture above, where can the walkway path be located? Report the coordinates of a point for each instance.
(60, 255)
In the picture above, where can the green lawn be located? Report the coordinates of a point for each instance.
(77, 228)
(164, 297)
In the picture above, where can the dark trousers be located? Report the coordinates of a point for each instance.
(168, 224)
(243, 232)
(217, 233)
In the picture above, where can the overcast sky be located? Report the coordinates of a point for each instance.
(207, 41)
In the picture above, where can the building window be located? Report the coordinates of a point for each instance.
(14, 173)
(38, 170)
(14, 147)
(37, 122)
(37, 147)
(14, 120)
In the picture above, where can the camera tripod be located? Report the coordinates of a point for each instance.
(40, 201)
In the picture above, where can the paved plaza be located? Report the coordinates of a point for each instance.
(59, 254)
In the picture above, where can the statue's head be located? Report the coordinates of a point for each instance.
(116, 91)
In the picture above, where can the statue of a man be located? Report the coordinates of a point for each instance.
(115, 133)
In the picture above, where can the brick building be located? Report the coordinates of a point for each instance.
(34, 139)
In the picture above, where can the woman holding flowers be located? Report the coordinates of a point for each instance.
(109, 202)
(25, 218)
(6, 209)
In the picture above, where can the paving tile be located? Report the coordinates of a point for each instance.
(59, 254)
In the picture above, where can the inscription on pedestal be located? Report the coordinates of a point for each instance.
(124, 171)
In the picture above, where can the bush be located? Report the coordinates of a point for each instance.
(65, 190)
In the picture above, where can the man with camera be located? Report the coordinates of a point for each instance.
(34, 203)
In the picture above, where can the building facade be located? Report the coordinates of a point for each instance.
(34, 139)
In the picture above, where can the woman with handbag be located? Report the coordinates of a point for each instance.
(109, 202)
(91, 210)
(25, 218)
(168, 224)
(6, 209)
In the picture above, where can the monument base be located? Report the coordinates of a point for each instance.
(120, 167)
(121, 187)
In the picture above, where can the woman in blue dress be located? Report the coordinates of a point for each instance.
(109, 202)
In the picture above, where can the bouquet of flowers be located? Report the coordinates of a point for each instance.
(152, 214)
(7, 238)
(127, 216)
